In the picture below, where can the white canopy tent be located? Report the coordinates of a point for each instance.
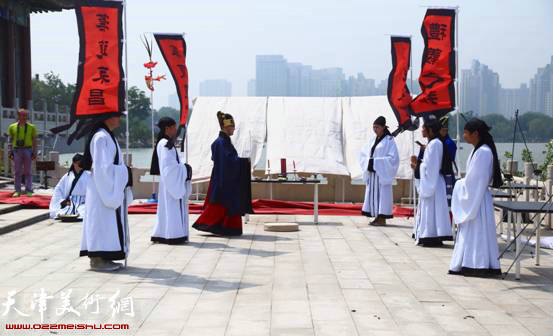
(250, 115)
(321, 135)
(307, 131)
(358, 116)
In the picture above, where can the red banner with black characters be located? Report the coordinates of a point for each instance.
(173, 49)
(437, 78)
(399, 96)
(100, 86)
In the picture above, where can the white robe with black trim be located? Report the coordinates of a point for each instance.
(476, 251)
(77, 198)
(432, 223)
(378, 193)
(104, 227)
(172, 205)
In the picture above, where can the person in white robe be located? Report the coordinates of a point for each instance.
(476, 250)
(105, 234)
(68, 200)
(174, 187)
(379, 162)
(432, 222)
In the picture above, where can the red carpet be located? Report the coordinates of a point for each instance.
(35, 201)
(260, 207)
(272, 207)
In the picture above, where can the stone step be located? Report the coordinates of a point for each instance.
(7, 208)
(16, 220)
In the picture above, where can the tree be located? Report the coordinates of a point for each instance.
(51, 90)
(140, 128)
(167, 111)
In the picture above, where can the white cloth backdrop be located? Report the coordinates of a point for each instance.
(250, 116)
(321, 134)
(359, 114)
(308, 131)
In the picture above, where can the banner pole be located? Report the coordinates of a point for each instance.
(412, 190)
(153, 137)
(457, 87)
(126, 83)
(127, 233)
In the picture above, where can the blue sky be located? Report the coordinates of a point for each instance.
(512, 37)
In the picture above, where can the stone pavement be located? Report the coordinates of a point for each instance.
(337, 278)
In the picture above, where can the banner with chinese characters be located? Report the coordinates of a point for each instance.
(399, 96)
(437, 78)
(173, 49)
(100, 79)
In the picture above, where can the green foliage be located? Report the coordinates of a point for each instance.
(140, 124)
(548, 160)
(508, 155)
(527, 156)
(51, 90)
(536, 127)
(167, 111)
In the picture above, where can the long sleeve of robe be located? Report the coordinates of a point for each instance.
(225, 179)
(476, 251)
(60, 193)
(174, 190)
(228, 195)
(104, 229)
(378, 193)
(77, 197)
(432, 223)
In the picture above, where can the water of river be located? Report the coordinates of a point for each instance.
(142, 156)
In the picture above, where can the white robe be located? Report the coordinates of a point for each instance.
(104, 227)
(432, 223)
(476, 250)
(172, 205)
(378, 193)
(77, 198)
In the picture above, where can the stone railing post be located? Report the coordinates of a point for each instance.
(549, 190)
(528, 174)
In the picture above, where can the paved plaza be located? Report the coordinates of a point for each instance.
(340, 277)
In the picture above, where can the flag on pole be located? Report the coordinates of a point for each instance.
(173, 49)
(437, 77)
(399, 96)
(100, 86)
(100, 89)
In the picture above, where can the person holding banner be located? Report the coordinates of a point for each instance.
(379, 163)
(104, 227)
(476, 251)
(432, 223)
(69, 193)
(174, 187)
(226, 200)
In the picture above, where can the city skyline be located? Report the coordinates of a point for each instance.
(506, 35)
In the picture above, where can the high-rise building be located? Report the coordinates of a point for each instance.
(360, 86)
(480, 89)
(511, 100)
(276, 77)
(216, 88)
(541, 90)
(251, 88)
(271, 75)
(327, 82)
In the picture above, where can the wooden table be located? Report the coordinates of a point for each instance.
(314, 182)
(518, 208)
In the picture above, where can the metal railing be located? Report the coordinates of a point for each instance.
(43, 120)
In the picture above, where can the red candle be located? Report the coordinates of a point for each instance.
(283, 167)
